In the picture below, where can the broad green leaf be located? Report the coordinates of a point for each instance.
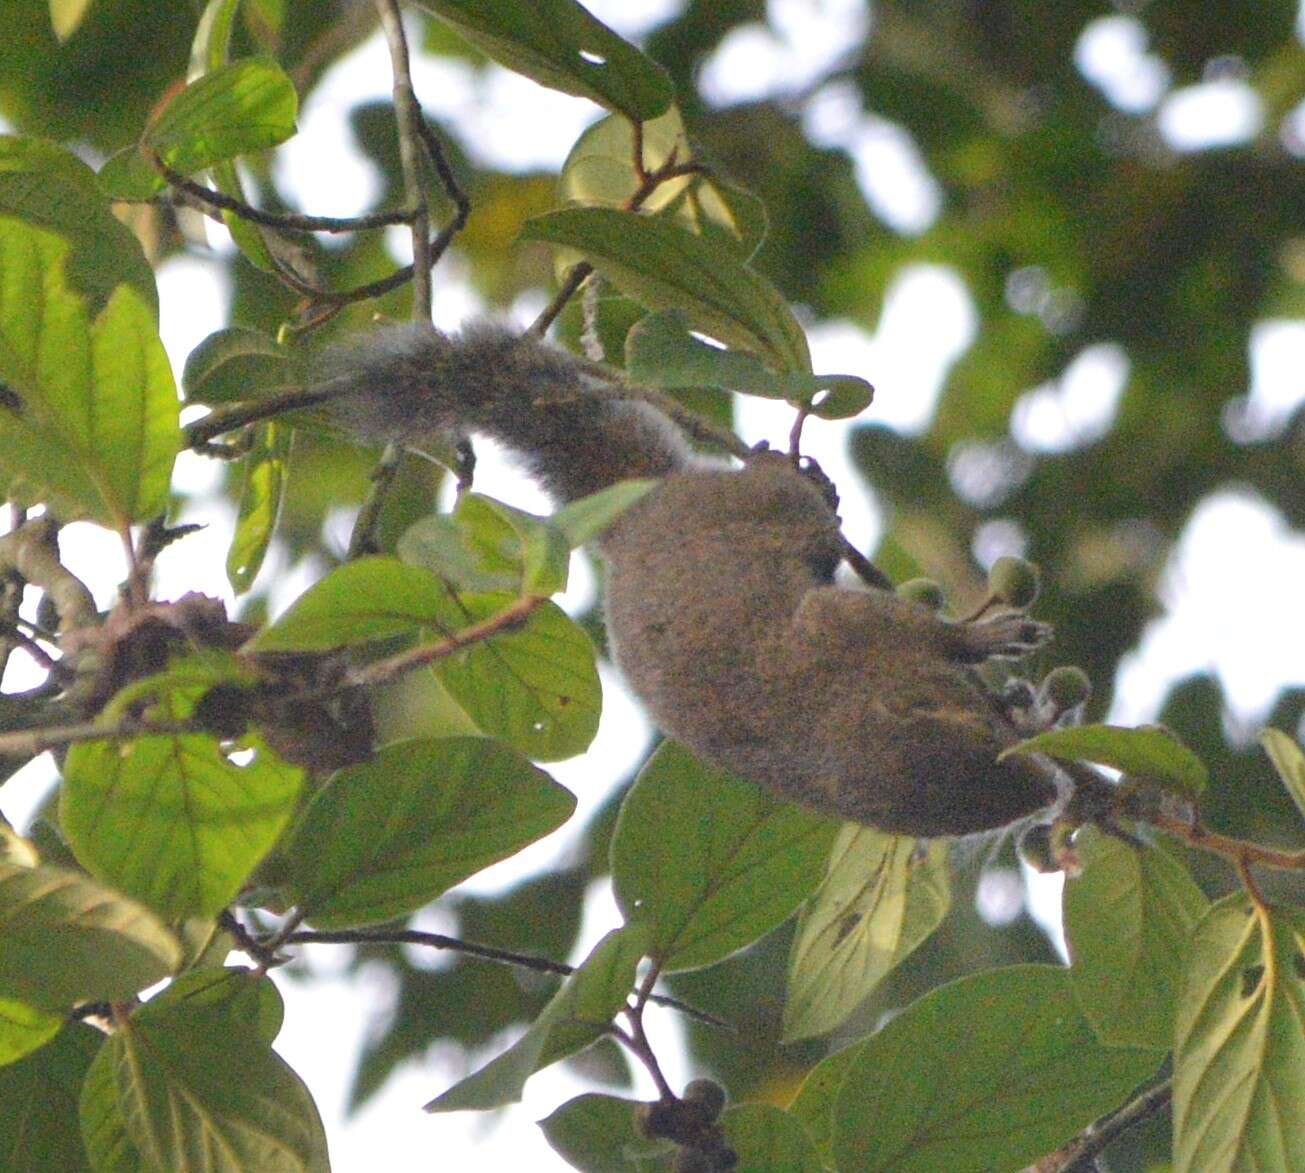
(103, 1128)
(193, 1083)
(1289, 761)
(709, 861)
(544, 553)
(482, 546)
(769, 1140)
(368, 599)
(23, 1028)
(814, 1103)
(38, 1127)
(66, 939)
(384, 838)
(232, 110)
(600, 170)
(238, 364)
(586, 518)
(1239, 1060)
(267, 467)
(883, 895)
(578, 1015)
(472, 549)
(536, 685)
(599, 1134)
(1128, 919)
(208, 51)
(48, 187)
(665, 267)
(560, 45)
(97, 431)
(660, 351)
(986, 1073)
(1149, 752)
(172, 819)
(66, 16)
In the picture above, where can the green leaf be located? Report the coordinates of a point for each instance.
(660, 351)
(1149, 752)
(471, 550)
(191, 1081)
(38, 1127)
(882, 897)
(1128, 919)
(585, 518)
(65, 939)
(578, 1015)
(599, 1134)
(267, 468)
(66, 16)
(536, 686)
(237, 108)
(48, 187)
(560, 45)
(208, 51)
(661, 265)
(1289, 761)
(600, 170)
(23, 1029)
(97, 431)
(1239, 1062)
(171, 819)
(237, 364)
(989, 1072)
(384, 838)
(769, 1140)
(816, 1098)
(368, 599)
(544, 553)
(103, 1128)
(709, 861)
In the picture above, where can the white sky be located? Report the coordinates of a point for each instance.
(1230, 594)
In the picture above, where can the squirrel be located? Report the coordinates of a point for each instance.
(721, 605)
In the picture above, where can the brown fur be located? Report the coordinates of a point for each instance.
(720, 605)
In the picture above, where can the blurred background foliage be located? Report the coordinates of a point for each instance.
(1073, 224)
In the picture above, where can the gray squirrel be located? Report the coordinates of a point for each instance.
(721, 605)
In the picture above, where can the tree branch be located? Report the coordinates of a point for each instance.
(423, 654)
(407, 117)
(214, 202)
(1080, 1154)
(529, 961)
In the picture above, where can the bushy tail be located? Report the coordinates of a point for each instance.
(406, 380)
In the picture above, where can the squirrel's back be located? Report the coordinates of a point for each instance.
(404, 380)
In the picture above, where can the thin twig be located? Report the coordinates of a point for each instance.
(237, 415)
(32, 552)
(529, 961)
(575, 277)
(407, 118)
(1241, 852)
(30, 742)
(637, 1038)
(649, 182)
(362, 540)
(461, 204)
(281, 221)
(384, 670)
(1080, 1154)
